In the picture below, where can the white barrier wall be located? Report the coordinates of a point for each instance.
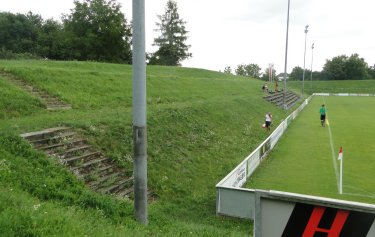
(230, 196)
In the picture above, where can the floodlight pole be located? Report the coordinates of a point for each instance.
(312, 58)
(139, 112)
(304, 60)
(286, 56)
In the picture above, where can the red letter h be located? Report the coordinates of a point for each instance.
(316, 216)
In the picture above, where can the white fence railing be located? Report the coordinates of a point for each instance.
(230, 195)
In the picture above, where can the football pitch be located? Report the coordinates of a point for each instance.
(305, 159)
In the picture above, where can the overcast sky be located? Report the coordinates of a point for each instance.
(231, 32)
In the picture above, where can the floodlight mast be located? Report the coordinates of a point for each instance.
(139, 112)
(312, 58)
(304, 60)
(286, 56)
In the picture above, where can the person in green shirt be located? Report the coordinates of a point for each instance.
(322, 112)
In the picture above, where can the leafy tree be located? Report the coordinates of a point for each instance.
(172, 41)
(51, 40)
(371, 72)
(18, 32)
(240, 70)
(253, 70)
(335, 68)
(97, 30)
(228, 70)
(248, 70)
(346, 68)
(356, 68)
(296, 74)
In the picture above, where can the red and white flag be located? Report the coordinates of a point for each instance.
(340, 154)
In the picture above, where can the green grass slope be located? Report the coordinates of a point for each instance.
(201, 124)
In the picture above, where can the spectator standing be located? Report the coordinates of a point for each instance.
(268, 121)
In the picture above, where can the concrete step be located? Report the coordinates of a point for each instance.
(83, 160)
(91, 162)
(53, 139)
(41, 134)
(77, 149)
(82, 157)
(95, 184)
(72, 143)
(121, 183)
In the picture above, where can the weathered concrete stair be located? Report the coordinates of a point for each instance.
(278, 98)
(51, 102)
(72, 150)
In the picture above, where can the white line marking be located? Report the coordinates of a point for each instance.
(333, 153)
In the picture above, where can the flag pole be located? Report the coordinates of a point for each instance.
(341, 170)
(341, 176)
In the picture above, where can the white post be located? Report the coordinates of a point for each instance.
(341, 161)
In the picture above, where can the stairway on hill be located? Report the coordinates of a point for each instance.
(278, 99)
(87, 163)
(51, 102)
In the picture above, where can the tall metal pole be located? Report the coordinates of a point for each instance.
(139, 112)
(312, 58)
(286, 56)
(304, 60)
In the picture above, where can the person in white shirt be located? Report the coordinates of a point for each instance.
(268, 121)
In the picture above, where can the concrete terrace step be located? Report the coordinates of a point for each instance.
(91, 162)
(75, 153)
(103, 179)
(35, 135)
(117, 185)
(82, 157)
(67, 145)
(278, 99)
(77, 149)
(54, 138)
(51, 102)
(125, 192)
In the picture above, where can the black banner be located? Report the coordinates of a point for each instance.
(317, 221)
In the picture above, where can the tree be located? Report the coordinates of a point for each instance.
(248, 70)
(296, 74)
(335, 68)
(98, 30)
(18, 32)
(356, 68)
(51, 40)
(371, 72)
(172, 41)
(346, 68)
(228, 70)
(253, 70)
(240, 70)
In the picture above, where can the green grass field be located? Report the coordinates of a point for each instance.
(305, 159)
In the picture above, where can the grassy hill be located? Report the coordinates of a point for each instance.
(201, 124)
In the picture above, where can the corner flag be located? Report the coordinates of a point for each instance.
(341, 171)
(340, 154)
